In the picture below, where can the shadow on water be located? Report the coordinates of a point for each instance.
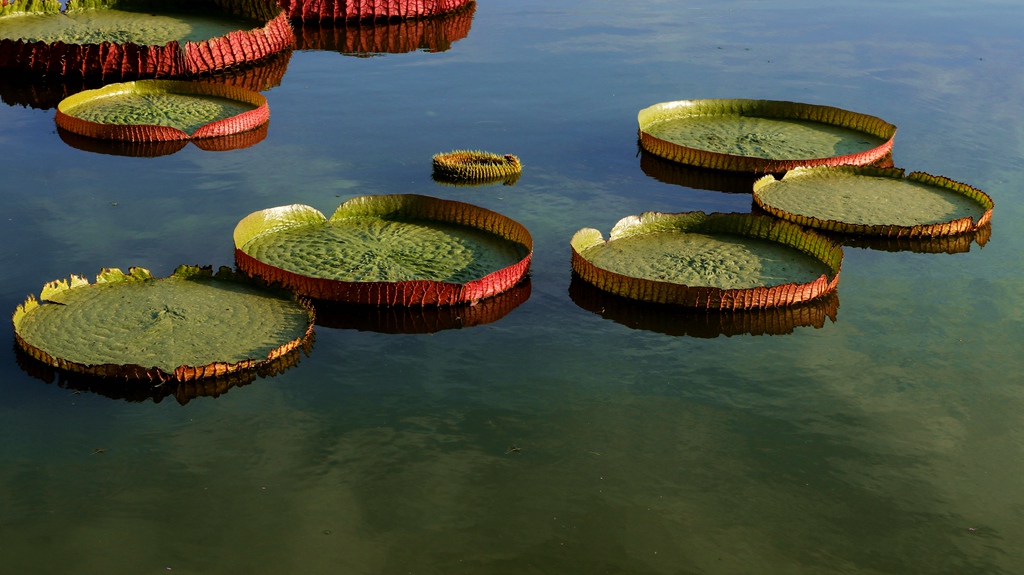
(139, 391)
(155, 149)
(368, 38)
(676, 320)
(45, 91)
(411, 320)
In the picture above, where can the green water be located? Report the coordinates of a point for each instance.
(889, 441)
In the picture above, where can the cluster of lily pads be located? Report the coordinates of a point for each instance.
(832, 182)
(165, 39)
(399, 251)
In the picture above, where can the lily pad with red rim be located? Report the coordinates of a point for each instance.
(190, 325)
(140, 38)
(397, 250)
(713, 261)
(874, 201)
(162, 110)
(764, 136)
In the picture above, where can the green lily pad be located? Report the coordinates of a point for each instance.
(874, 201)
(762, 135)
(96, 25)
(190, 325)
(162, 110)
(139, 38)
(731, 261)
(394, 250)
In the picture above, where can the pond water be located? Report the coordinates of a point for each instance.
(550, 440)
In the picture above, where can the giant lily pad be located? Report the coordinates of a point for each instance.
(762, 135)
(139, 38)
(364, 38)
(340, 10)
(874, 201)
(401, 249)
(191, 325)
(703, 323)
(162, 110)
(715, 261)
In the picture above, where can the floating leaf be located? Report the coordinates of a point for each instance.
(714, 261)
(474, 166)
(162, 110)
(136, 38)
(191, 325)
(402, 249)
(874, 201)
(762, 135)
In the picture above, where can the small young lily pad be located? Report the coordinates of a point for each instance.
(713, 261)
(762, 135)
(162, 110)
(139, 38)
(474, 166)
(401, 249)
(874, 201)
(353, 10)
(191, 325)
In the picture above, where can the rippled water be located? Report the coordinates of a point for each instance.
(552, 439)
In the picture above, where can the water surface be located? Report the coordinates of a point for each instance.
(888, 441)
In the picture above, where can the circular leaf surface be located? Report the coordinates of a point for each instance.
(125, 38)
(145, 28)
(394, 250)
(731, 261)
(192, 324)
(762, 135)
(874, 201)
(162, 110)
